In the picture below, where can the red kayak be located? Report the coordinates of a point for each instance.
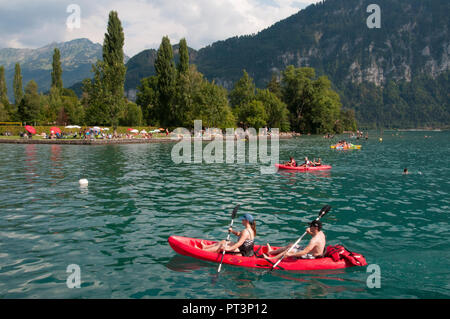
(304, 168)
(192, 247)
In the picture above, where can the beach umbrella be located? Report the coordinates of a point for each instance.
(96, 128)
(55, 129)
(134, 131)
(130, 129)
(105, 129)
(143, 132)
(30, 129)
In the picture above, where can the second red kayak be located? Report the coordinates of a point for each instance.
(304, 168)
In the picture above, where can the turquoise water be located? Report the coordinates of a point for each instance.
(117, 228)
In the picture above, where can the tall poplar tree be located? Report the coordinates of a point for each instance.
(183, 65)
(105, 92)
(166, 75)
(6, 107)
(57, 70)
(17, 85)
(3, 89)
(114, 68)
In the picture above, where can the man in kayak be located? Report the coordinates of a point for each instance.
(318, 163)
(314, 249)
(291, 163)
(307, 162)
(244, 246)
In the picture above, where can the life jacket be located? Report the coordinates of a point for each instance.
(338, 252)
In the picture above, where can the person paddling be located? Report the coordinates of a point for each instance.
(245, 244)
(313, 250)
(291, 162)
(307, 162)
(318, 163)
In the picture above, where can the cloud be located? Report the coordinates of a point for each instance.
(36, 23)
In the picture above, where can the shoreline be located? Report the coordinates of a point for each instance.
(85, 142)
(103, 141)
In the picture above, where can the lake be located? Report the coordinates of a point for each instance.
(116, 229)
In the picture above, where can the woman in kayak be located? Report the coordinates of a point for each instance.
(244, 246)
(291, 162)
(313, 250)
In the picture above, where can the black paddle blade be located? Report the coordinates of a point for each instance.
(234, 213)
(324, 210)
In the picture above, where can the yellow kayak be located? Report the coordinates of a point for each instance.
(349, 147)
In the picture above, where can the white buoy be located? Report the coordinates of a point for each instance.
(83, 182)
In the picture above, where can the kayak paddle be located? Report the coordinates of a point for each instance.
(322, 213)
(233, 216)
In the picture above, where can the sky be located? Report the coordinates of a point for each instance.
(34, 24)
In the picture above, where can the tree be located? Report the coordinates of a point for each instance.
(182, 103)
(54, 105)
(211, 106)
(347, 121)
(3, 88)
(4, 116)
(17, 85)
(243, 91)
(166, 76)
(94, 98)
(276, 110)
(314, 107)
(29, 107)
(57, 70)
(73, 109)
(5, 106)
(274, 86)
(132, 115)
(114, 69)
(326, 106)
(252, 114)
(183, 65)
(147, 98)
(104, 94)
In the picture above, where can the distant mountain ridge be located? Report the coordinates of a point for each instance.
(77, 57)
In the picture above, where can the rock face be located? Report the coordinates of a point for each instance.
(333, 37)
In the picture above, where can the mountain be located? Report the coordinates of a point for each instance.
(77, 57)
(333, 37)
(393, 76)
